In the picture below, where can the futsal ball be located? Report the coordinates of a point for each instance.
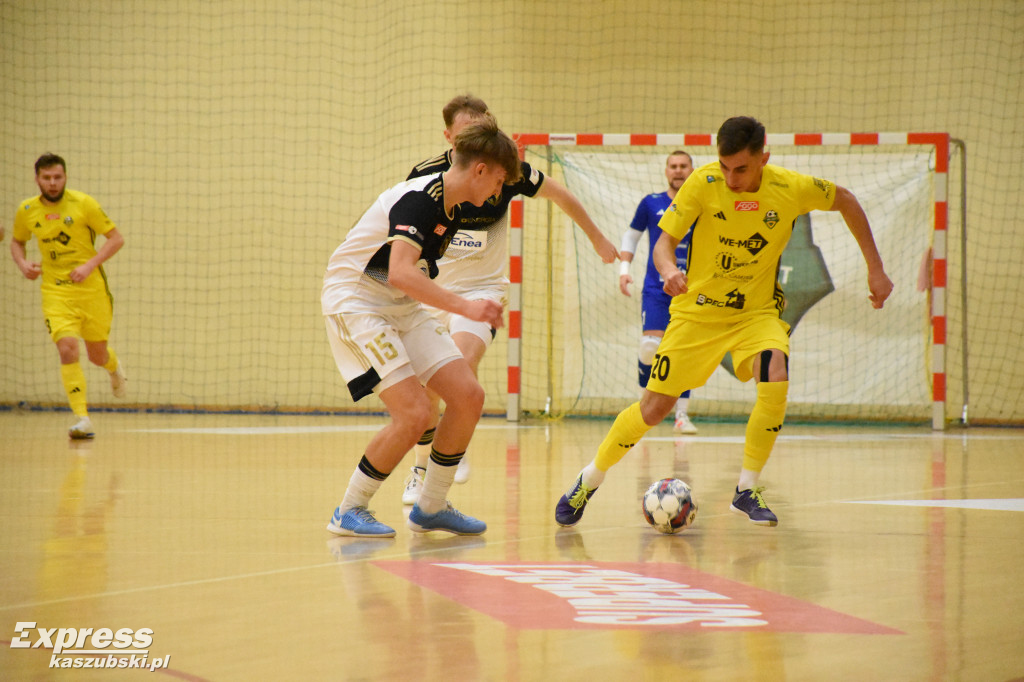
(668, 505)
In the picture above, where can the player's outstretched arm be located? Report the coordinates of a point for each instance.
(665, 261)
(410, 280)
(879, 283)
(567, 201)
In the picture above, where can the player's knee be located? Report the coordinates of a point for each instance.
(67, 348)
(654, 407)
(648, 348)
(773, 366)
(413, 415)
(470, 400)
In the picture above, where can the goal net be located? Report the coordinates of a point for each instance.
(580, 335)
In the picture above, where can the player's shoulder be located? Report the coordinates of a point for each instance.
(709, 173)
(75, 196)
(433, 165)
(424, 192)
(783, 174)
(787, 180)
(29, 203)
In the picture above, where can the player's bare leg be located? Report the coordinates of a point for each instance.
(464, 402)
(472, 349)
(409, 408)
(101, 355)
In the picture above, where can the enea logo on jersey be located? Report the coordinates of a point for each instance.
(746, 206)
(471, 241)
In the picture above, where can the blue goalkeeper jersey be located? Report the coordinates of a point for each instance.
(648, 213)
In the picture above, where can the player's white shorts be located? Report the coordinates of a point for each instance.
(457, 324)
(376, 349)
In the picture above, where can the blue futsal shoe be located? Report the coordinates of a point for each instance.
(448, 519)
(358, 522)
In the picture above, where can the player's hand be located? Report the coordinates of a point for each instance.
(485, 310)
(880, 286)
(31, 270)
(624, 282)
(605, 249)
(675, 283)
(81, 272)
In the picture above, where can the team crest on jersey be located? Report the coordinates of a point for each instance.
(440, 230)
(824, 185)
(771, 219)
(68, 220)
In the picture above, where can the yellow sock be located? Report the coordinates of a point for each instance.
(629, 427)
(112, 362)
(74, 385)
(765, 423)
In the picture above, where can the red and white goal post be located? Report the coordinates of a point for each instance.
(879, 160)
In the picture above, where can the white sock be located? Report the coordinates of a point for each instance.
(682, 404)
(422, 453)
(748, 479)
(592, 476)
(360, 489)
(436, 484)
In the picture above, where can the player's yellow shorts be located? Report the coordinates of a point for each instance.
(84, 316)
(691, 350)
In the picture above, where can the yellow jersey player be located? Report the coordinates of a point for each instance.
(728, 301)
(76, 300)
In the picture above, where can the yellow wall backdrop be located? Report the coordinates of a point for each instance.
(234, 143)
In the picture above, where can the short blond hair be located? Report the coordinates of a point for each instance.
(482, 140)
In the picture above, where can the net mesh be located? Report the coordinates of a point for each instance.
(849, 361)
(234, 143)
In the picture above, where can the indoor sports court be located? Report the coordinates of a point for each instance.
(892, 559)
(235, 144)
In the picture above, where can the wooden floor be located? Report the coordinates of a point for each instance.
(899, 556)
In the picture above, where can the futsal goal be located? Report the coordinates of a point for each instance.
(573, 337)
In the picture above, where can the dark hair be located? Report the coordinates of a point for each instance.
(482, 140)
(739, 133)
(473, 106)
(50, 159)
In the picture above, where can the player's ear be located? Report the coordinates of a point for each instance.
(764, 157)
